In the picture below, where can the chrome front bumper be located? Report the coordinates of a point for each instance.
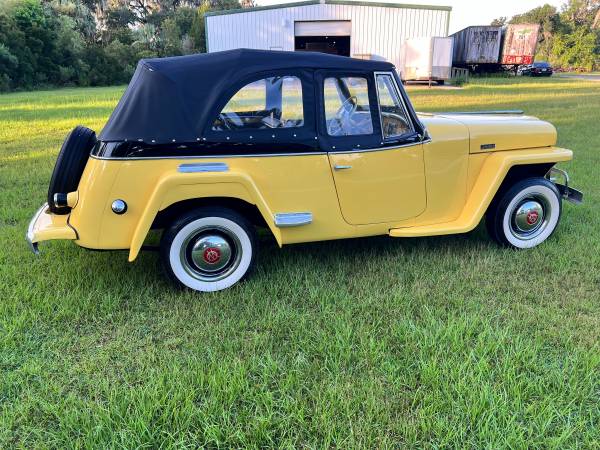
(567, 192)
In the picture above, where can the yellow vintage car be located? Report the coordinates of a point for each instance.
(307, 145)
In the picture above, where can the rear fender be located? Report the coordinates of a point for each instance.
(175, 187)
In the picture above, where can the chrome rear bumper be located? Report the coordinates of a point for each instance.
(45, 226)
(30, 235)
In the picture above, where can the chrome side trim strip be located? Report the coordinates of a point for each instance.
(295, 219)
(29, 235)
(380, 149)
(265, 155)
(258, 155)
(203, 167)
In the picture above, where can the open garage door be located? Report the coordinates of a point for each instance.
(326, 36)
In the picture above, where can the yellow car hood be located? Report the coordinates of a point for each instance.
(494, 132)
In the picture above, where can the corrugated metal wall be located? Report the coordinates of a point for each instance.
(377, 31)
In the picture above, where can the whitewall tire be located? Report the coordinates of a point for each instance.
(209, 249)
(526, 214)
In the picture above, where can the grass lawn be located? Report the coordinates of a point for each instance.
(379, 342)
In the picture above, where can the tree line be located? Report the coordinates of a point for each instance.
(95, 42)
(99, 42)
(569, 38)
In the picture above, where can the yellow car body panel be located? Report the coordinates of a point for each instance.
(442, 185)
(493, 171)
(380, 186)
(503, 131)
(275, 184)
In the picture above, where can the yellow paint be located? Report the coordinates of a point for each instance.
(197, 185)
(507, 132)
(93, 203)
(446, 162)
(72, 199)
(488, 181)
(380, 186)
(441, 186)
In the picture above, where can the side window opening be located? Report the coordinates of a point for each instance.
(394, 120)
(347, 107)
(270, 103)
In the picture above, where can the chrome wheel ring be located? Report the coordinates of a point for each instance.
(211, 253)
(530, 216)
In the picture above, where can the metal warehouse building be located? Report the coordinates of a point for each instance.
(364, 30)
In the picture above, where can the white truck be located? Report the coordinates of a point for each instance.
(427, 59)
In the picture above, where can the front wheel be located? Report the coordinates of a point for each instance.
(208, 249)
(526, 214)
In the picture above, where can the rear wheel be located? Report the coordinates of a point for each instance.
(209, 249)
(526, 215)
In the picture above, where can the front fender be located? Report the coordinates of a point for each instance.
(488, 181)
(174, 186)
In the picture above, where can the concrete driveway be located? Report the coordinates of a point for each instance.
(580, 76)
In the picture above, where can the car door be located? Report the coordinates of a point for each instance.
(375, 153)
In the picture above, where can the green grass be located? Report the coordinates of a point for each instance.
(433, 342)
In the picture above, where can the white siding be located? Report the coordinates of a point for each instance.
(376, 30)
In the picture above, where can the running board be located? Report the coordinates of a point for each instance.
(438, 229)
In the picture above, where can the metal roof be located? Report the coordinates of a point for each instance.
(328, 2)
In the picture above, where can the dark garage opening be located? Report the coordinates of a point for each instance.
(334, 45)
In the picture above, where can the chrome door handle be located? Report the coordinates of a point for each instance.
(341, 167)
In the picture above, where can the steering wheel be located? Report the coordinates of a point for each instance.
(272, 122)
(390, 125)
(225, 121)
(342, 116)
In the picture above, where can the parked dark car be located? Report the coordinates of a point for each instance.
(537, 69)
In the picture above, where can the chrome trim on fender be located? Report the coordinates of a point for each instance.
(29, 235)
(203, 167)
(516, 112)
(284, 220)
(119, 206)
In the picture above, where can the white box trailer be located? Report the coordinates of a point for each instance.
(427, 59)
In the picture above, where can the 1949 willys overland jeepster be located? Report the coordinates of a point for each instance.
(311, 146)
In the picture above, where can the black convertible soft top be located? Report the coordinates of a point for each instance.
(171, 99)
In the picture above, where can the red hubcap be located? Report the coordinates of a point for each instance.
(212, 255)
(532, 217)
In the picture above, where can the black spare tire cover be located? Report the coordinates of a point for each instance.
(69, 166)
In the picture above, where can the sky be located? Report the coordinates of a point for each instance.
(465, 12)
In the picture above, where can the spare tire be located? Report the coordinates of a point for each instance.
(69, 166)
